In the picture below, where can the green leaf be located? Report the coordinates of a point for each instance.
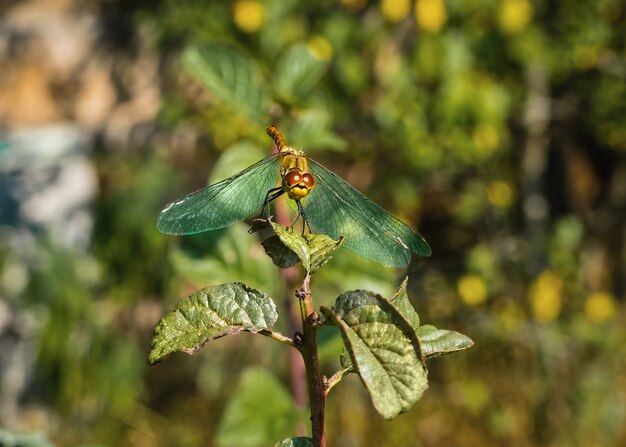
(289, 246)
(436, 342)
(211, 313)
(313, 128)
(281, 255)
(321, 249)
(384, 350)
(230, 76)
(295, 442)
(401, 302)
(260, 411)
(297, 73)
(345, 360)
(295, 242)
(234, 159)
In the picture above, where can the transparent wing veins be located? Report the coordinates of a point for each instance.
(338, 209)
(223, 203)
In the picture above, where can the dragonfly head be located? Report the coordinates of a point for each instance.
(298, 184)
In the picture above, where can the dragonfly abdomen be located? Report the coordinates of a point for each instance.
(274, 133)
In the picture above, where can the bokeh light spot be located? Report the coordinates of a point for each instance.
(249, 15)
(546, 296)
(472, 290)
(515, 15)
(320, 47)
(430, 15)
(395, 10)
(599, 307)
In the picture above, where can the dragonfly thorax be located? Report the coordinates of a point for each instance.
(298, 184)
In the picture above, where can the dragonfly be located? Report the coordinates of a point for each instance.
(326, 203)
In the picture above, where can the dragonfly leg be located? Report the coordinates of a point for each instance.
(305, 222)
(272, 194)
(294, 221)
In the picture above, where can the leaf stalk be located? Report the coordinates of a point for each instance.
(278, 337)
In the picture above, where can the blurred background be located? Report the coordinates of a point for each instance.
(495, 127)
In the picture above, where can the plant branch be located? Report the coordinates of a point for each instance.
(308, 349)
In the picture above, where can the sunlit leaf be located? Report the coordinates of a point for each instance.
(230, 76)
(436, 342)
(321, 249)
(260, 411)
(288, 246)
(401, 302)
(211, 313)
(384, 350)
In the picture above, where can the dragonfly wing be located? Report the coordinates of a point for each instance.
(336, 208)
(222, 203)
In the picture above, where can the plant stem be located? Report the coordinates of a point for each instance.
(308, 349)
(298, 374)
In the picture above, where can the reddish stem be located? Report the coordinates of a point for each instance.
(308, 349)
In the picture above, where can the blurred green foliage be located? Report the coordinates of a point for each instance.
(493, 126)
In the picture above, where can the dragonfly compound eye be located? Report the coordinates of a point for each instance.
(292, 178)
(297, 184)
(308, 180)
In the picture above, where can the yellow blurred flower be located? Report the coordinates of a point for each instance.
(249, 15)
(546, 296)
(395, 10)
(430, 15)
(320, 47)
(599, 307)
(472, 289)
(500, 194)
(515, 15)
